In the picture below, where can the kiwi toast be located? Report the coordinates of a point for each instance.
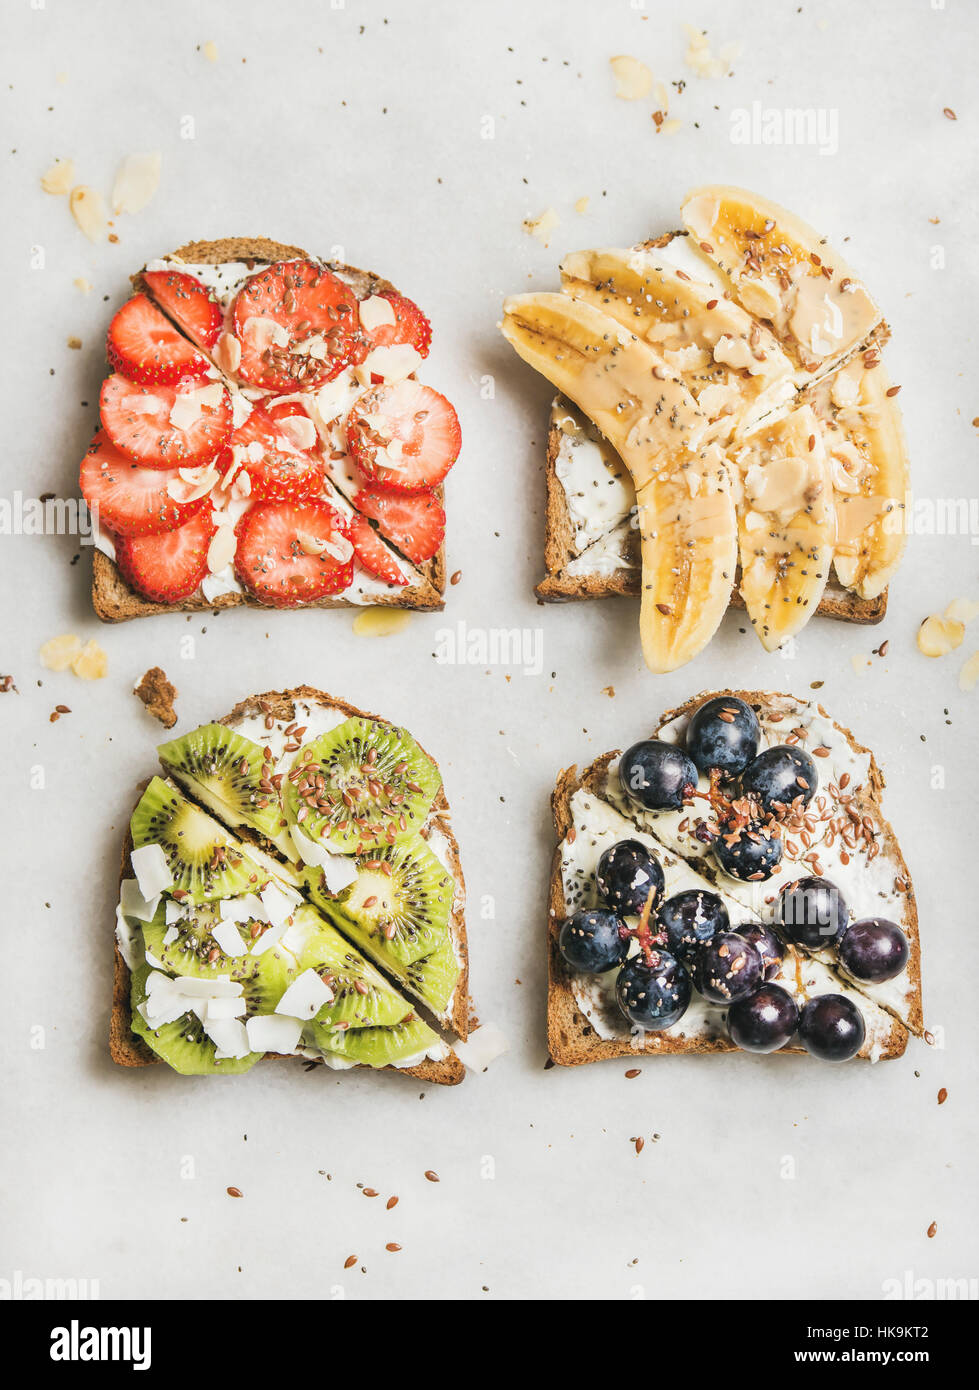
(291, 886)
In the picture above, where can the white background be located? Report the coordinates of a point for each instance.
(360, 127)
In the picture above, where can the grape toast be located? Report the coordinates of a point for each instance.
(115, 600)
(283, 708)
(590, 812)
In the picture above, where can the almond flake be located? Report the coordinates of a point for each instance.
(262, 332)
(59, 177)
(210, 51)
(227, 354)
(377, 312)
(938, 636)
(969, 675)
(59, 652)
(962, 610)
(299, 430)
(221, 551)
(136, 182)
(542, 226)
(80, 283)
(91, 663)
(633, 80)
(88, 210)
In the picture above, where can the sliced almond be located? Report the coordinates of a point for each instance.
(193, 483)
(210, 51)
(376, 312)
(633, 80)
(186, 409)
(59, 177)
(299, 430)
(262, 332)
(88, 210)
(969, 675)
(91, 663)
(221, 551)
(136, 182)
(541, 227)
(938, 636)
(227, 354)
(58, 653)
(962, 610)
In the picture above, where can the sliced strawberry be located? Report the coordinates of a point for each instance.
(168, 567)
(372, 553)
(280, 556)
(138, 421)
(311, 313)
(278, 470)
(404, 438)
(414, 523)
(410, 326)
(128, 499)
(188, 303)
(144, 345)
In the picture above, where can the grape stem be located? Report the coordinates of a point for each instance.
(647, 938)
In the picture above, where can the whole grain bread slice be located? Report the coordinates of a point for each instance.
(115, 601)
(129, 1050)
(572, 1039)
(563, 586)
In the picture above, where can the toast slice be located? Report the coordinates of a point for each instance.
(115, 601)
(283, 708)
(590, 813)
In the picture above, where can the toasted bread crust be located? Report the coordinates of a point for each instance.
(560, 587)
(115, 601)
(129, 1050)
(572, 1041)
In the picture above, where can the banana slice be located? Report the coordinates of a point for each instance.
(864, 439)
(684, 504)
(623, 386)
(689, 536)
(783, 271)
(671, 296)
(787, 524)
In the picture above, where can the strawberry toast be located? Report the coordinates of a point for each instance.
(264, 439)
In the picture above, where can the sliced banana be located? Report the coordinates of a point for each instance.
(689, 534)
(787, 524)
(781, 270)
(669, 295)
(864, 439)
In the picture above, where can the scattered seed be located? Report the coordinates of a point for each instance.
(392, 1202)
(633, 1071)
(933, 1230)
(235, 1192)
(350, 1261)
(942, 1096)
(392, 1246)
(432, 1176)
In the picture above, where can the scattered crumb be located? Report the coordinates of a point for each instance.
(80, 283)
(7, 684)
(380, 622)
(633, 80)
(210, 51)
(137, 180)
(609, 690)
(581, 206)
(59, 177)
(700, 60)
(542, 226)
(158, 695)
(859, 661)
(88, 210)
(74, 343)
(969, 675)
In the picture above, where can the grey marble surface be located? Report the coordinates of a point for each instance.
(364, 127)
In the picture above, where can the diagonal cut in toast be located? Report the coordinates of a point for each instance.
(591, 813)
(266, 718)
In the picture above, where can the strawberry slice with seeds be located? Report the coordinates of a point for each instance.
(410, 326)
(405, 437)
(372, 553)
(415, 523)
(160, 426)
(278, 471)
(128, 499)
(298, 327)
(290, 554)
(144, 346)
(188, 303)
(168, 567)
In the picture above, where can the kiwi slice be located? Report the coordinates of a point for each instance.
(433, 978)
(194, 951)
(377, 1047)
(183, 1045)
(361, 996)
(363, 784)
(205, 861)
(232, 776)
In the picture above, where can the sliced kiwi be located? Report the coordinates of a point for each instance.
(194, 951)
(232, 776)
(433, 978)
(204, 860)
(363, 784)
(362, 996)
(183, 1045)
(377, 1047)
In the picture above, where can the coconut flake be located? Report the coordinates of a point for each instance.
(136, 182)
(377, 312)
(299, 430)
(305, 997)
(134, 904)
(338, 870)
(150, 866)
(229, 938)
(633, 80)
(272, 1033)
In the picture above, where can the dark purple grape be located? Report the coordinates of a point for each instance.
(779, 775)
(768, 946)
(626, 872)
(657, 775)
(593, 941)
(728, 968)
(753, 857)
(873, 950)
(812, 912)
(723, 733)
(831, 1027)
(690, 919)
(763, 1021)
(654, 996)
